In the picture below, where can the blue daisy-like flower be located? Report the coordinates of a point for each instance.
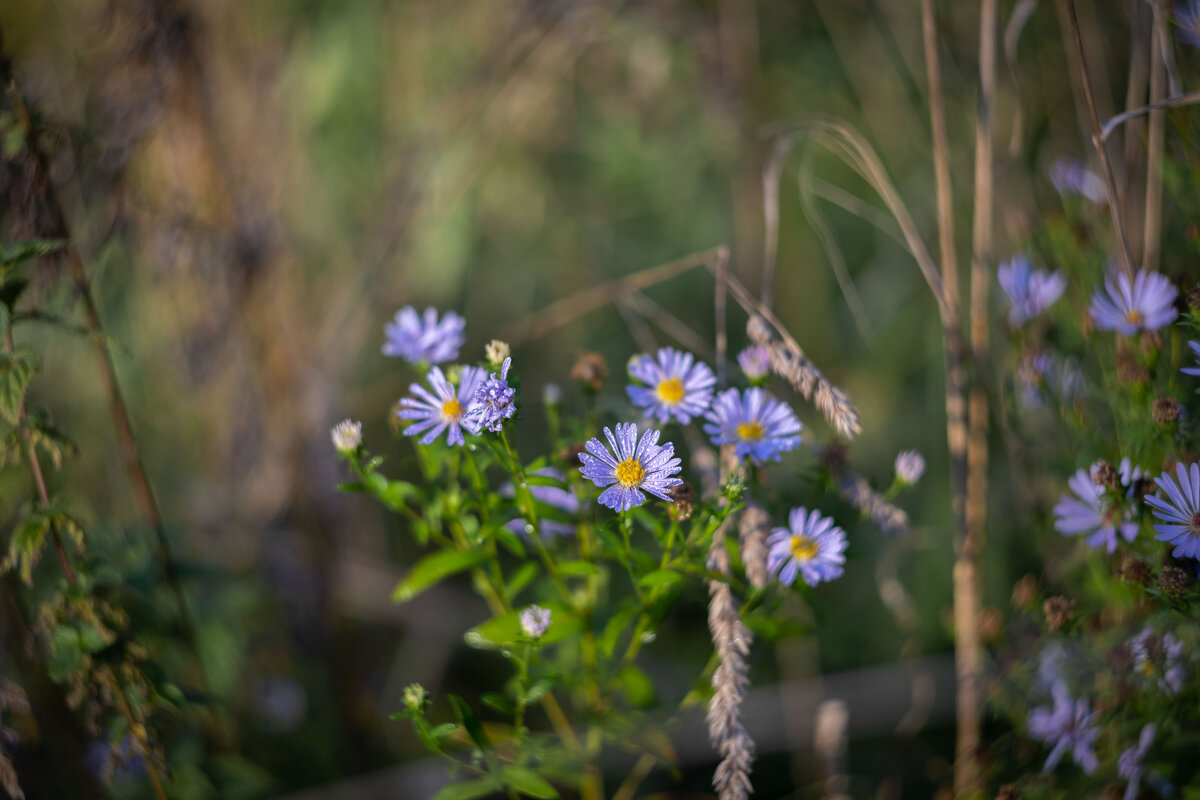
(1091, 512)
(631, 467)
(415, 338)
(1188, 17)
(759, 425)
(1195, 346)
(443, 409)
(1068, 725)
(674, 385)
(813, 549)
(1071, 176)
(1180, 511)
(1146, 303)
(1030, 291)
(493, 402)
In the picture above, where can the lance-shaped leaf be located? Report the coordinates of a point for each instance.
(434, 568)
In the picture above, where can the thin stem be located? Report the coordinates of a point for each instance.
(1152, 223)
(137, 729)
(636, 775)
(1110, 185)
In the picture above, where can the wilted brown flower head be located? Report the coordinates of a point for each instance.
(1173, 582)
(1058, 611)
(991, 625)
(682, 497)
(1149, 341)
(1008, 792)
(590, 369)
(1193, 296)
(1134, 570)
(1166, 410)
(1129, 371)
(1106, 475)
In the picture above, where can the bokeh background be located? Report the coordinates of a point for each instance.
(255, 189)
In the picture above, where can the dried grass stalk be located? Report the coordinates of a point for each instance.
(858, 493)
(732, 640)
(789, 363)
(753, 528)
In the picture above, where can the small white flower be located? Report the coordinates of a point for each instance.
(496, 351)
(534, 621)
(910, 466)
(346, 435)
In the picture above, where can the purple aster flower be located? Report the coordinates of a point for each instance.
(534, 621)
(1195, 352)
(1067, 725)
(631, 467)
(1030, 291)
(1146, 304)
(812, 548)
(415, 339)
(755, 362)
(1180, 510)
(443, 408)
(1129, 765)
(1070, 176)
(493, 402)
(910, 466)
(675, 385)
(1092, 513)
(1161, 655)
(556, 497)
(761, 426)
(1188, 17)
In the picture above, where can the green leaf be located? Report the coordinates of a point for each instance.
(66, 656)
(466, 716)
(16, 252)
(522, 578)
(16, 371)
(510, 541)
(395, 493)
(497, 702)
(538, 690)
(468, 790)
(506, 628)
(25, 547)
(612, 631)
(438, 732)
(527, 782)
(577, 568)
(352, 486)
(637, 686)
(11, 291)
(92, 639)
(432, 569)
(660, 577)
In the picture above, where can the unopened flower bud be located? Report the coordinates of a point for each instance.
(534, 621)
(551, 394)
(910, 466)
(416, 698)
(590, 369)
(1024, 592)
(496, 351)
(346, 436)
(755, 362)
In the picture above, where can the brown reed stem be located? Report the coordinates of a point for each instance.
(721, 267)
(1152, 223)
(1188, 99)
(966, 763)
(1110, 185)
(640, 770)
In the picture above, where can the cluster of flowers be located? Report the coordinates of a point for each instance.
(667, 386)
(1105, 504)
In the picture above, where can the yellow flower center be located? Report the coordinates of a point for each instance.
(749, 431)
(1134, 317)
(670, 391)
(803, 548)
(630, 473)
(452, 409)
(1147, 668)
